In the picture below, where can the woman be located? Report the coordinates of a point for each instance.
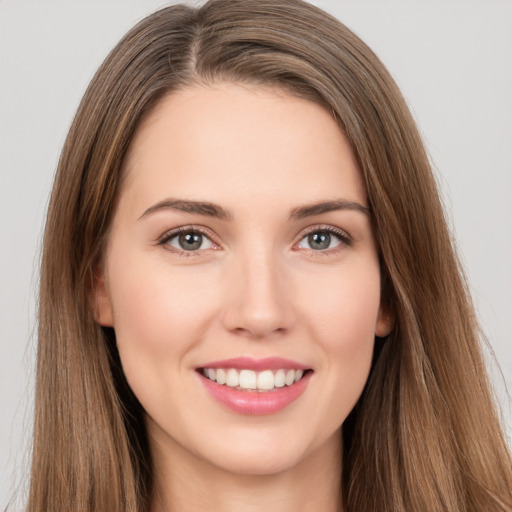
(249, 297)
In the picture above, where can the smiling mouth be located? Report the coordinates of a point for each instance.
(252, 381)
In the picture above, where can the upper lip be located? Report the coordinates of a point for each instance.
(249, 363)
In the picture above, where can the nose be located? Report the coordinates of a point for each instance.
(259, 295)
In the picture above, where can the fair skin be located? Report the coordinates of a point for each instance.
(257, 275)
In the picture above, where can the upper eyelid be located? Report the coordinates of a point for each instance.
(325, 227)
(185, 229)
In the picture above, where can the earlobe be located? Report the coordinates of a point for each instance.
(385, 322)
(101, 301)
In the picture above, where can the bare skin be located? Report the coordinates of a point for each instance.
(193, 487)
(242, 230)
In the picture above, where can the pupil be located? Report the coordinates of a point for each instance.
(319, 241)
(190, 241)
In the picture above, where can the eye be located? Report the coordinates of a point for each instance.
(189, 240)
(323, 239)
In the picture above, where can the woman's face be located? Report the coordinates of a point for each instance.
(241, 256)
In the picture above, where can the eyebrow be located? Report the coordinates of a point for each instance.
(213, 210)
(181, 205)
(328, 206)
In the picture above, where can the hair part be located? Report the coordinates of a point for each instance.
(424, 434)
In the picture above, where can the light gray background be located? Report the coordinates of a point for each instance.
(452, 59)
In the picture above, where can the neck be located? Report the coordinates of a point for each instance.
(187, 483)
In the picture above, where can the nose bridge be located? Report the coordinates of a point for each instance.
(259, 295)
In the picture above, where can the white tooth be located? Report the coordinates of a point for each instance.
(266, 380)
(290, 377)
(212, 374)
(221, 376)
(298, 375)
(279, 379)
(247, 379)
(232, 379)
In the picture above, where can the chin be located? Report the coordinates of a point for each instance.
(268, 453)
(260, 464)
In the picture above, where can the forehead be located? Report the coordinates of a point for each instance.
(228, 141)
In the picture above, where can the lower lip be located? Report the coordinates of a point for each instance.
(256, 402)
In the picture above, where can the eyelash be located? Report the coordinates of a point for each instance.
(169, 235)
(343, 237)
(345, 240)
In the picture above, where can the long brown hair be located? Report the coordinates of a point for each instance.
(424, 434)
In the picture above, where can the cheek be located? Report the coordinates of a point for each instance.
(342, 320)
(154, 304)
(345, 306)
(159, 316)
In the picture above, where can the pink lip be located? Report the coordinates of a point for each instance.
(254, 402)
(249, 363)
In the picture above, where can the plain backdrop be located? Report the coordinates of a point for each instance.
(451, 58)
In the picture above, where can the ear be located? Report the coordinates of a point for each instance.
(385, 321)
(103, 313)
